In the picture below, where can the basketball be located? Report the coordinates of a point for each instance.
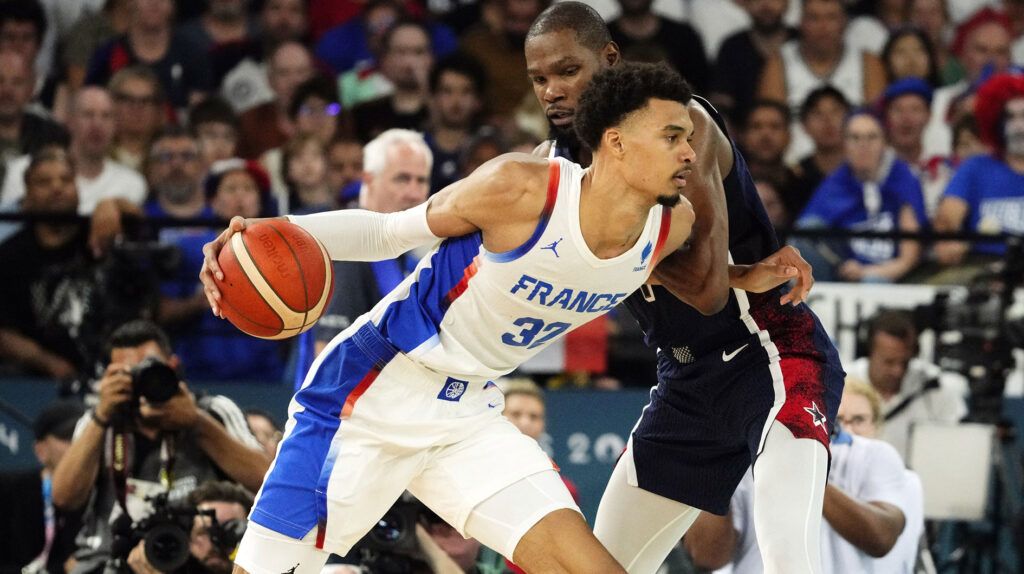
(277, 281)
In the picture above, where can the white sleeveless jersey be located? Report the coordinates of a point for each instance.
(469, 313)
(847, 77)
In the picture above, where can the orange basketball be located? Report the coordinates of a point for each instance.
(278, 279)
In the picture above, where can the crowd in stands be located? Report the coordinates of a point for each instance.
(131, 130)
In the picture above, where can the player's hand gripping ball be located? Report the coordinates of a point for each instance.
(277, 281)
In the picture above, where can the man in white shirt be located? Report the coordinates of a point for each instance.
(91, 125)
(866, 508)
(912, 389)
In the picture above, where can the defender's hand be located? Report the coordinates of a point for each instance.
(115, 390)
(776, 269)
(211, 269)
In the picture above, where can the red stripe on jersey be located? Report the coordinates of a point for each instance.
(367, 380)
(461, 286)
(666, 225)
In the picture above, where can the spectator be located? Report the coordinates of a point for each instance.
(498, 45)
(743, 55)
(139, 112)
(175, 173)
(53, 428)
(982, 43)
(91, 123)
(909, 54)
(150, 40)
(52, 319)
(215, 127)
(241, 69)
(396, 176)
(765, 139)
(865, 509)
(344, 168)
(406, 61)
(456, 88)
(644, 36)
(304, 165)
(905, 104)
(268, 126)
(229, 504)
(92, 130)
(967, 140)
(315, 109)
(822, 117)
(912, 390)
(21, 132)
(209, 348)
(932, 16)
(820, 57)
(90, 31)
(485, 145)
(872, 190)
(860, 414)
(771, 196)
(357, 43)
(265, 428)
(224, 22)
(22, 28)
(987, 192)
(174, 445)
(362, 80)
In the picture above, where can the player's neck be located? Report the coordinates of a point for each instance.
(612, 214)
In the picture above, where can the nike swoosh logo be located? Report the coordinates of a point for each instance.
(726, 357)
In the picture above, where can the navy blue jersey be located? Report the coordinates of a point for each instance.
(667, 322)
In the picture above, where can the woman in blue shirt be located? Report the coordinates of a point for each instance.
(871, 190)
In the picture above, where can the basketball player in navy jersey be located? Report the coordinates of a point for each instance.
(742, 377)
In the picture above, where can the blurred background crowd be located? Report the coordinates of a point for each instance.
(884, 136)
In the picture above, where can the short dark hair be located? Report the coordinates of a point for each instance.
(462, 64)
(24, 11)
(46, 154)
(896, 323)
(776, 105)
(910, 30)
(818, 94)
(212, 111)
(616, 92)
(319, 87)
(220, 491)
(590, 29)
(139, 332)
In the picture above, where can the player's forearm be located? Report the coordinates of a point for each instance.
(74, 477)
(360, 235)
(872, 527)
(245, 465)
(711, 541)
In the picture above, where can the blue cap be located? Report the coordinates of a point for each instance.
(906, 86)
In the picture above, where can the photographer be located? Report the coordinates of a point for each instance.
(222, 508)
(168, 441)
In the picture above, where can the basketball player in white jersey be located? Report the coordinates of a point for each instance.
(402, 399)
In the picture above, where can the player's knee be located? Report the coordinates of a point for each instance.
(559, 542)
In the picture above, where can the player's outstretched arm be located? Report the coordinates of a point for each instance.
(495, 198)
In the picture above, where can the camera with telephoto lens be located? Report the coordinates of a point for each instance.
(166, 534)
(154, 380)
(390, 547)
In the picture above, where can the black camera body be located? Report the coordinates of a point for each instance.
(166, 534)
(154, 380)
(390, 546)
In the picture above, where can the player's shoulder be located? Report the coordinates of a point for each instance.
(515, 175)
